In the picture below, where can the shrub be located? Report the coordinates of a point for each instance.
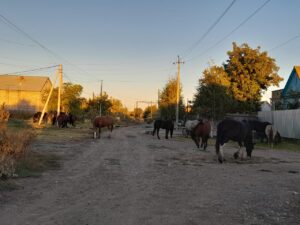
(13, 145)
(4, 114)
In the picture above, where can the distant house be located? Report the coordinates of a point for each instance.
(288, 97)
(23, 93)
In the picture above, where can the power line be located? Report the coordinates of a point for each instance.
(19, 30)
(32, 70)
(285, 43)
(189, 50)
(16, 43)
(231, 32)
(14, 65)
(49, 51)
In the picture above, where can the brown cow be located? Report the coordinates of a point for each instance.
(201, 130)
(102, 121)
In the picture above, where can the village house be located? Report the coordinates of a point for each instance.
(23, 93)
(289, 96)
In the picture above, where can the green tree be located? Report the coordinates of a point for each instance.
(212, 101)
(167, 100)
(150, 110)
(213, 98)
(251, 72)
(70, 98)
(117, 108)
(138, 112)
(93, 105)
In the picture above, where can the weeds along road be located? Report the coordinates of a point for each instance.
(133, 178)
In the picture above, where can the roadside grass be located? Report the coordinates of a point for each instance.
(25, 162)
(33, 164)
(8, 185)
(285, 144)
(18, 124)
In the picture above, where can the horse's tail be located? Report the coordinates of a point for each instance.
(278, 137)
(193, 136)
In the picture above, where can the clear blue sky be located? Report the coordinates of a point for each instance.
(131, 44)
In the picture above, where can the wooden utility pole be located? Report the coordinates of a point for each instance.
(46, 104)
(178, 62)
(59, 88)
(100, 113)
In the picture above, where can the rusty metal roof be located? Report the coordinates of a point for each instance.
(297, 68)
(22, 83)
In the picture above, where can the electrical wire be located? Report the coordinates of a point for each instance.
(285, 43)
(231, 32)
(16, 43)
(32, 70)
(49, 51)
(190, 49)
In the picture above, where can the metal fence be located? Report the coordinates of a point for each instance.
(286, 121)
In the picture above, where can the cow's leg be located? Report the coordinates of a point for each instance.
(221, 153)
(99, 133)
(237, 153)
(167, 133)
(195, 139)
(110, 129)
(153, 132)
(171, 132)
(157, 133)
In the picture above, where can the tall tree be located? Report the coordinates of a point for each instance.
(70, 98)
(213, 98)
(251, 72)
(168, 101)
(150, 110)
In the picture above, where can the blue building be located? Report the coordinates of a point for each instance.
(289, 96)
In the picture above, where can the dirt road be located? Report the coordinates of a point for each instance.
(134, 179)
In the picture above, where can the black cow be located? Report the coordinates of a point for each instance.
(168, 125)
(240, 132)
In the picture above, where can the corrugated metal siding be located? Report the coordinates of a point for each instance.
(286, 121)
(22, 83)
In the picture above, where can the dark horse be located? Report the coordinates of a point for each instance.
(202, 130)
(240, 132)
(102, 121)
(36, 117)
(168, 125)
(265, 130)
(63, 119)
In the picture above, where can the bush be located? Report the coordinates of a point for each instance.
(13, 145)
(4, 114)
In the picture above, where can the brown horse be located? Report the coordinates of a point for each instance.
(201, 130)
(102, 121)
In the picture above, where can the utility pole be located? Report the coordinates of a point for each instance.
(178, 62)
(100, 113)
(59, 88)
(47, 101)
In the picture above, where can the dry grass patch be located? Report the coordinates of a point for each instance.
(13, 145)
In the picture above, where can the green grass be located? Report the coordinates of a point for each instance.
(8, 185)
(33, 164)
(17, 124)
(286, 144)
